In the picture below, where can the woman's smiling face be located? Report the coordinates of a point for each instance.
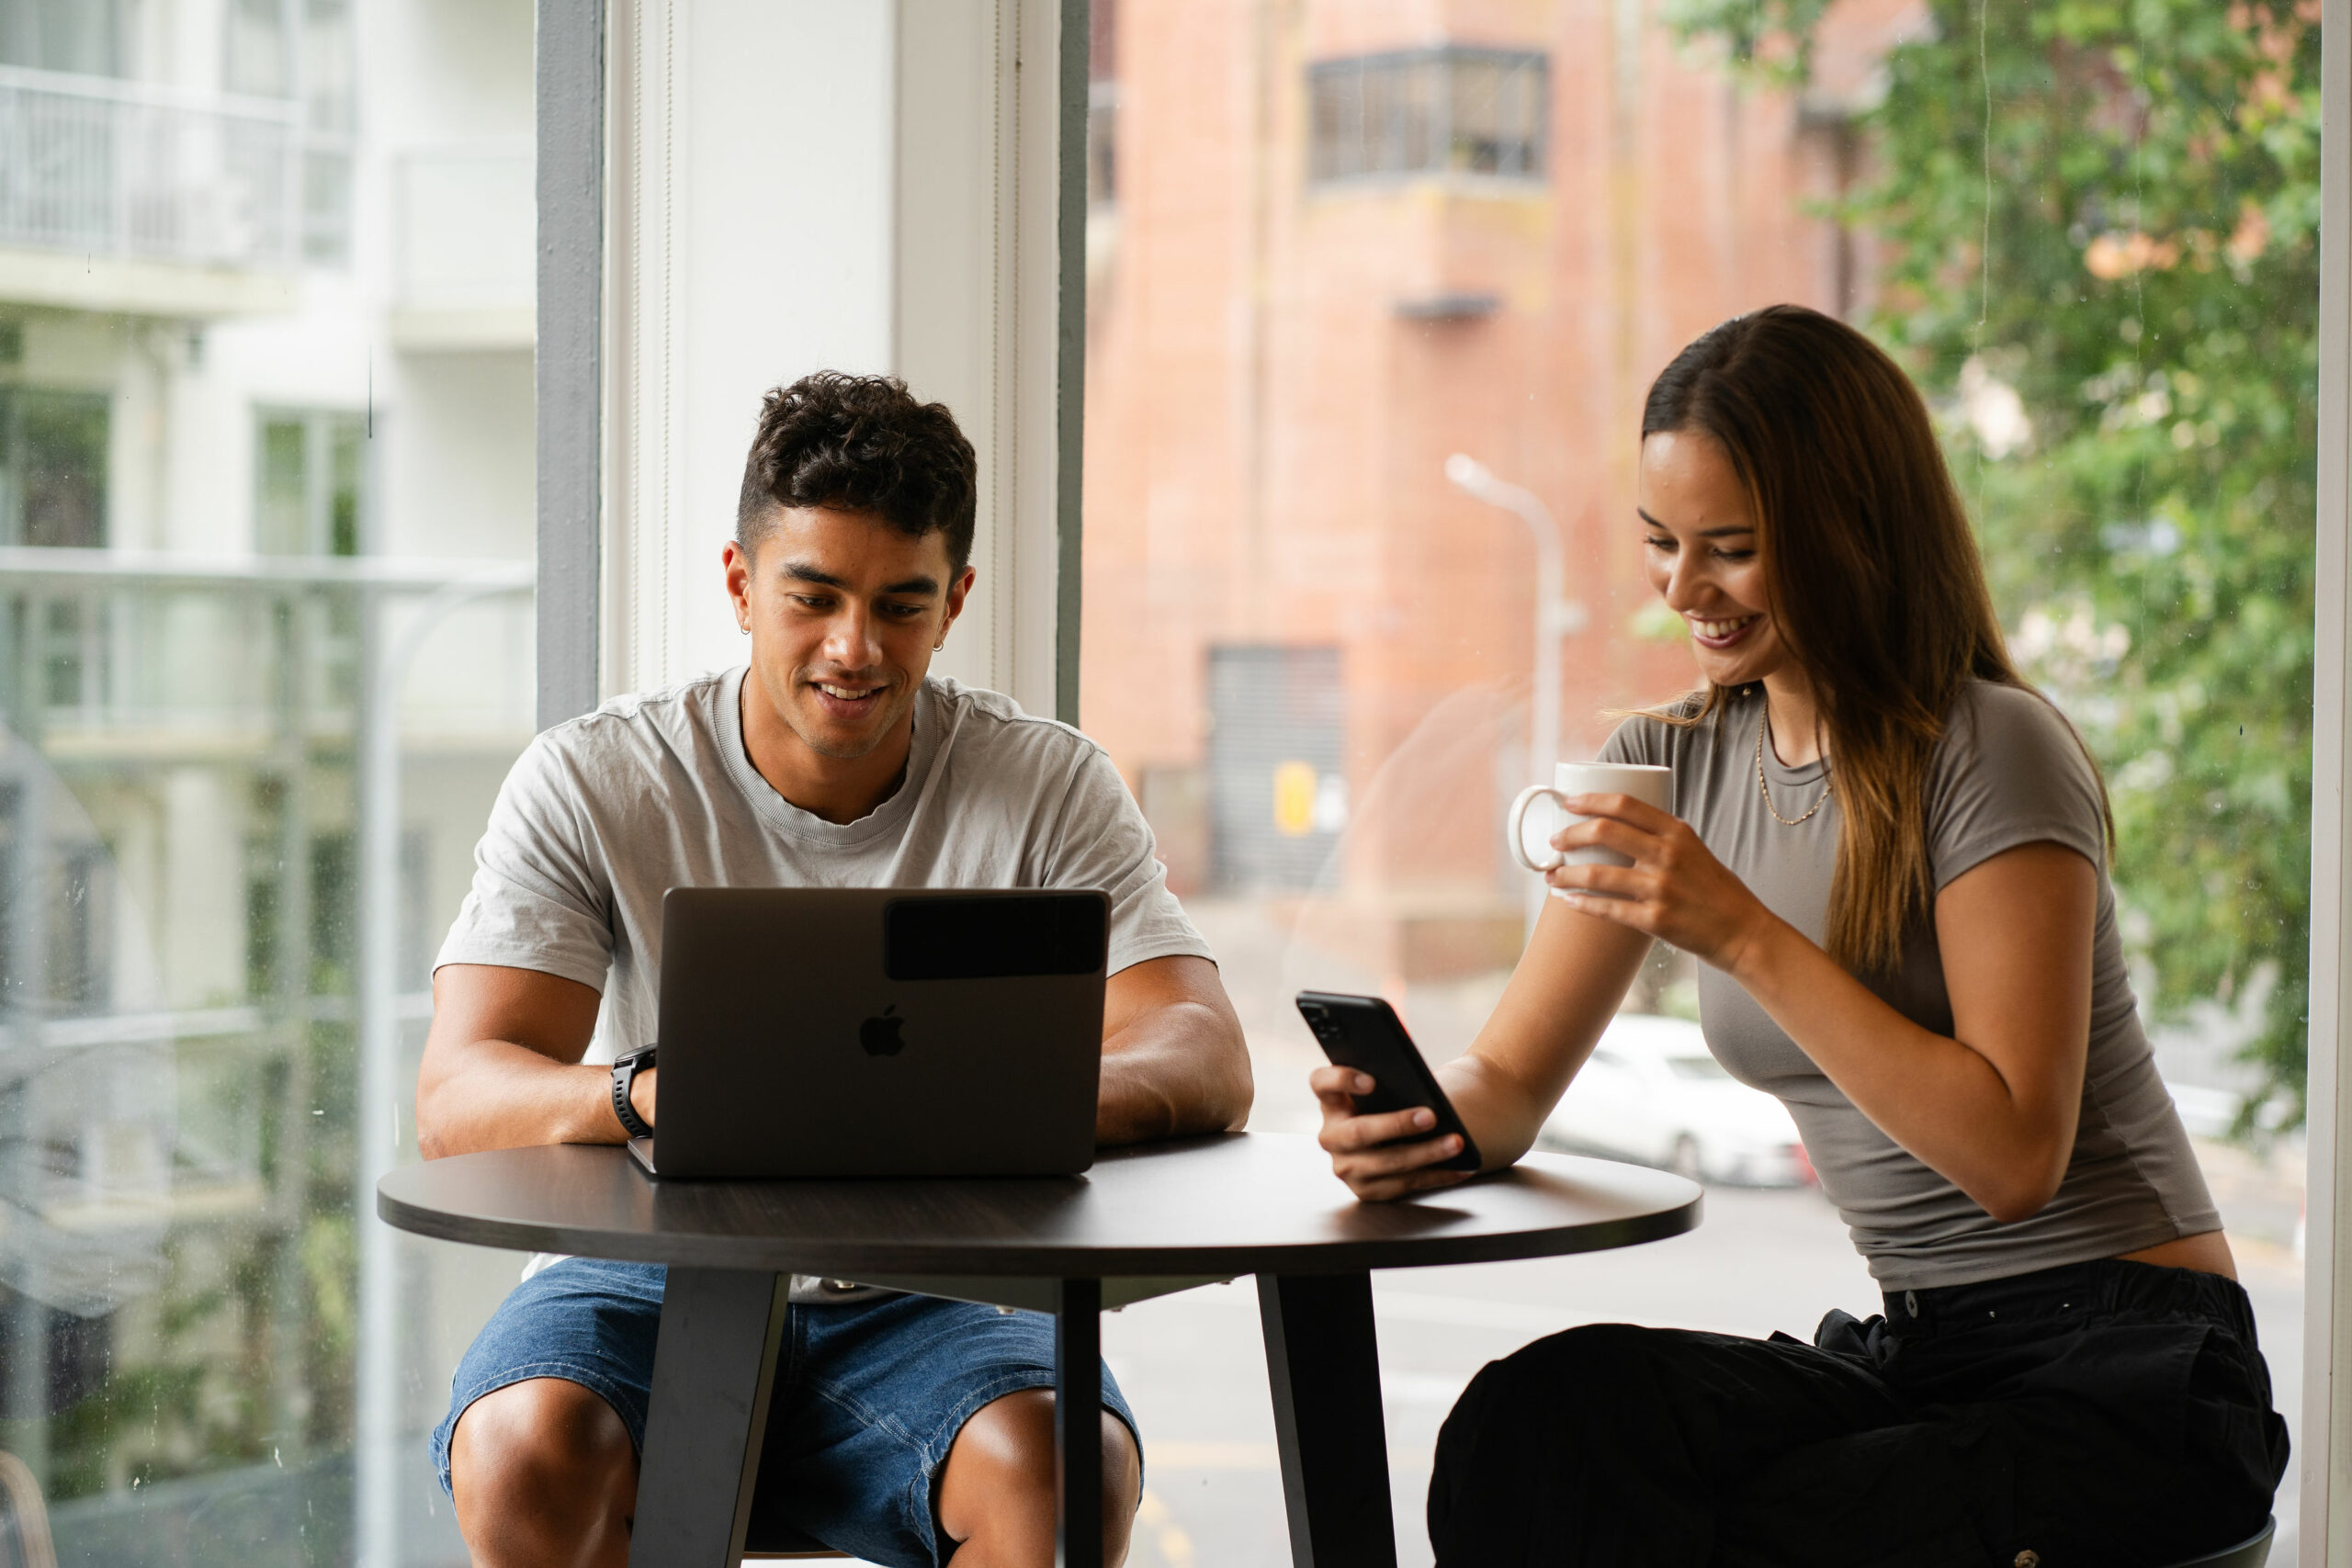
(1700, 549)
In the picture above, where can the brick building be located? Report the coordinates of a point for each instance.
(1334, 242)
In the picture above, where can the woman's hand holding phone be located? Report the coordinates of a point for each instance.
(1366, 1151)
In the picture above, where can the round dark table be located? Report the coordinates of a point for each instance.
(1143, 1222)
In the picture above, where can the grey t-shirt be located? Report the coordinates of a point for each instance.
(2009, 772)
(602, 815)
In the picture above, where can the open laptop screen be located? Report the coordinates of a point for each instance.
(946, 938)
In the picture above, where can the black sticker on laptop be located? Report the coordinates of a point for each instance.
(994, 937)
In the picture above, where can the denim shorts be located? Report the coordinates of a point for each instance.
(869, 1395)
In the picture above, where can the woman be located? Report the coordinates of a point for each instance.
(1889, 854)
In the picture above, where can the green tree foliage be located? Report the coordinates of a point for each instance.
(2096, 225)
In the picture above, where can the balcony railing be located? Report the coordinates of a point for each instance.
(136, 169)
(122, 655)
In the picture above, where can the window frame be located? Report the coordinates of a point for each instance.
(572, 129)
(2323, 1446)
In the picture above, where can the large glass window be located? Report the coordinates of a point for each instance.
(264, 655)
(1324, 435)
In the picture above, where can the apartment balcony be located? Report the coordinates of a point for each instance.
(149, 199)
(123, 659)
(467, 267)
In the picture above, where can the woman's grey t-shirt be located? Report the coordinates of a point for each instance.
(602, 815)
(2009, 772)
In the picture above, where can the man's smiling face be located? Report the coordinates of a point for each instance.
(845, 612)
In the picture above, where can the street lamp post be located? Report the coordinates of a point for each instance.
(1557, 616)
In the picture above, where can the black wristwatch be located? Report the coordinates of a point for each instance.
(626, 1068)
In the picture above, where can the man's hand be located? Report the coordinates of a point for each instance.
(1173, 1060)
(501, 1064)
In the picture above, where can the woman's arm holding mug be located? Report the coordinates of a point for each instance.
(1991, 1107)
(1566, 987)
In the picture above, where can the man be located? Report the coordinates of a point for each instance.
(905, 1429)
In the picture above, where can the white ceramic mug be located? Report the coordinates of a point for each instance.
(1653, 786)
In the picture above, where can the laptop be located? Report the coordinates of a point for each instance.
(855, 1031)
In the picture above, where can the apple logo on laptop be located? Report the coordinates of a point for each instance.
(880, 1035)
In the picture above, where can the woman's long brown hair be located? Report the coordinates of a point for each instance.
(1873, 579)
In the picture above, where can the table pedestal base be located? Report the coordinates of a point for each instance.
(1323, 1367)
(714, 1364)
(1078, 1422)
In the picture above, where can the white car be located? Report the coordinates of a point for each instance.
(1652, 1093)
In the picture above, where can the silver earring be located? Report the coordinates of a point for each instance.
(744, 630)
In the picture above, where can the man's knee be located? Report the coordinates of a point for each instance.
(535, 1441)
(1004, 1457)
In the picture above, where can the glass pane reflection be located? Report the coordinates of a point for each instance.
(264, 655)
(2087, 233)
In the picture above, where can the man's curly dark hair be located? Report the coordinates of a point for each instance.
(860, 442)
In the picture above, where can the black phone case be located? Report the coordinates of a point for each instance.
(1366, 1033)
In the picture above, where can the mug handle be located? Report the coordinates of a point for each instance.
(1519, 822)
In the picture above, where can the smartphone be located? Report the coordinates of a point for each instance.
(1366, 1033)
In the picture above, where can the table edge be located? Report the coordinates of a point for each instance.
(1036, 1261)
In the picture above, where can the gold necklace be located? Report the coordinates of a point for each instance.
(1761, 788)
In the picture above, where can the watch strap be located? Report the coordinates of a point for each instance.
(624, 1074)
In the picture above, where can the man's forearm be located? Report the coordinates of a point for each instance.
(507, 1097)
(1176, 1070)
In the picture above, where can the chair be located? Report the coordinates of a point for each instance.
(2249, 1553)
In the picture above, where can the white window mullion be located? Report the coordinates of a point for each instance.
(974, 321)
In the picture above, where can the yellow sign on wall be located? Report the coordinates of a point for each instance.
(1295, 798)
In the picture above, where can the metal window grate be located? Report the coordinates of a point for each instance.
(1277, 765)
(1450, 111)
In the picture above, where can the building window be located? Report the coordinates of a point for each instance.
(1102, 106)
(1479, 113)
(303, 50)
(307, 483)
(53, 467)
(1277, 765)
(1101, 144)
(84, 37)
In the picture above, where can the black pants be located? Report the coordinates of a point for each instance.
(2097, 1415)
